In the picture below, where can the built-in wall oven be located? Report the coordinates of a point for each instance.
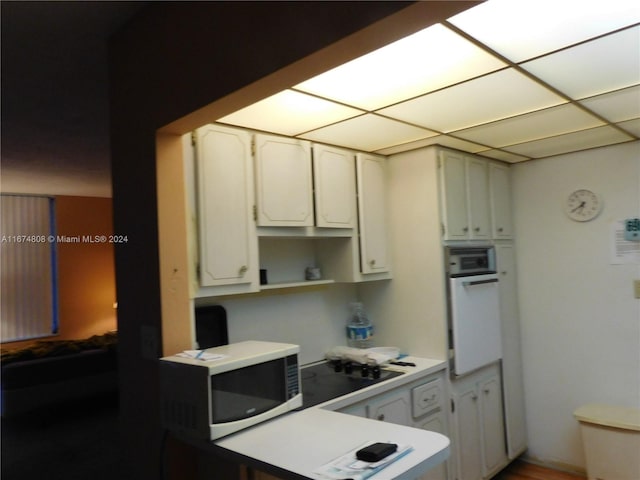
(473, 307)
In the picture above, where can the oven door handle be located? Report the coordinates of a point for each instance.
(479, 282)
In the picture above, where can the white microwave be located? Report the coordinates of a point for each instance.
(247, 383)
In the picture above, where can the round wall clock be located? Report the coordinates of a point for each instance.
(583, 205)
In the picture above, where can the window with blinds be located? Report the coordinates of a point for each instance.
(28, 301)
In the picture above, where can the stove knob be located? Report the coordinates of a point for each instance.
(375, 371)
(364, 370)
(348, 367)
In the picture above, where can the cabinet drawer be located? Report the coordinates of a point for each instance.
(427, 397)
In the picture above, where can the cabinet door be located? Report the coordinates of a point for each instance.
(335, 187)
(394, 407)
(228, 243)
(372, 209)
(500, 191)
(468, 448)
(511, 350)
(492, 426)
(283, 182)
(435, 423)
(478, 198)
(453, 195)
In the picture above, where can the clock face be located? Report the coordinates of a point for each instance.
(583, 205)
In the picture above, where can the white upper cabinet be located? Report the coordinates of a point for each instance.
(454, 195)
(372, 207)
(335, 187)
(475, 197)
(478, 198)
(283, 182)
(227, 238)
(500, 188)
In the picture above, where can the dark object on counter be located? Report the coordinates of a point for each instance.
(211, 326)
(263, 276)
(376, 452)
(403, 364)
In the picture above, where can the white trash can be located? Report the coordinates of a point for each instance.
(611, 440)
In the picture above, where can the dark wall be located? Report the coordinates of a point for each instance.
(173, 58)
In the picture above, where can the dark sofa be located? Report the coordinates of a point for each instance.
(52, 372)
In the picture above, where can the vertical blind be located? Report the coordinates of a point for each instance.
(28, 265)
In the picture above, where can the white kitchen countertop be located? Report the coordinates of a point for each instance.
(294, 445)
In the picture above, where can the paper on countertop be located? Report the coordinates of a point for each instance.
(200, 355)
(348, 466)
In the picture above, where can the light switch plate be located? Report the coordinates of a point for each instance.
(636, 288)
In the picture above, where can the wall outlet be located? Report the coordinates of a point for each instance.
(636, 288)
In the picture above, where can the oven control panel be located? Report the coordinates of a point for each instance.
(466, 261)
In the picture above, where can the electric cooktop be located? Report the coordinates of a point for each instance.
(326, 381)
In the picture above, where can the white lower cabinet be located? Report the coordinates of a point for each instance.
(419, 404)
(479, 445)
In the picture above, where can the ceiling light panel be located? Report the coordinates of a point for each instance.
(368, 132)
(532, 126)
(524, 29)
(572, 142)
(492, 97)
(602, 65)
(616, 106)
(290, 113)
(425, 61)
(631, 126)
(444, 140)
(504, 156)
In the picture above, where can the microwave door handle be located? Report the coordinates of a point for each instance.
(479, 282)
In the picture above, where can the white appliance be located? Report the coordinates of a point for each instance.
(474, 308)
(225, 389)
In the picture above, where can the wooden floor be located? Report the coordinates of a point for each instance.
(520, 470)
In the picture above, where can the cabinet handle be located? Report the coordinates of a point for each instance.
(381, 417)
(500, 229)
(465, 229)
(372, 262)
(474, 396)
(477, 229)
(243, 270)
(487, 391)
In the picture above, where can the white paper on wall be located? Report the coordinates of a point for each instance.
(623, 251)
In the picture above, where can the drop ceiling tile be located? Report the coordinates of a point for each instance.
(616, 106)
(289, 113)
(631, 126)
(368, 132)
(492, 97)
(425, 61)
(602, 65)
(521, 30)
(571, 142)
(443, 140)
(531, 126)
(504, 156)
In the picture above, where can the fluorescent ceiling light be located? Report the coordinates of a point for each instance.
(492, 97)
(523, 29)
(602, 65)
(290, 113)
(532, 126)
(616, 106)
(368, 132)
(425, 61)
(571, 142)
